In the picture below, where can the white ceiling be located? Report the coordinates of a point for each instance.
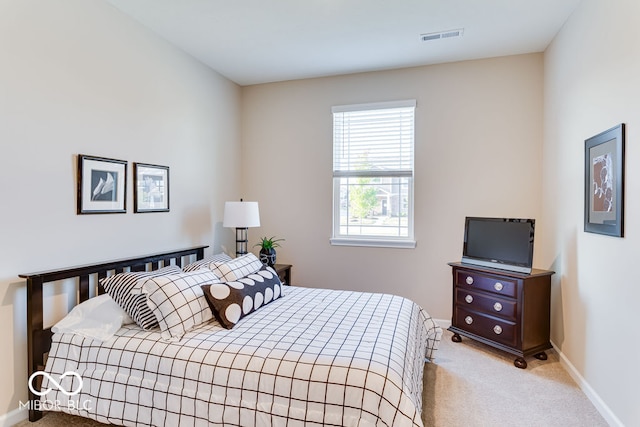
(259, 41)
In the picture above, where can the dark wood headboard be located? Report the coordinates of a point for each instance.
(39, 338)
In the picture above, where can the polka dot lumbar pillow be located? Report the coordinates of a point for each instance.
(231, 301)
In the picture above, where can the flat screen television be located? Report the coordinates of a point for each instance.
(505, 243)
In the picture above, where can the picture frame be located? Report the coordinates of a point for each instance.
(604, 182)
(101, 185)
(151, 188)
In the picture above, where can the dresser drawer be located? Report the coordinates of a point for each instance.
(499, 285)
(501, 331)
(488, 303)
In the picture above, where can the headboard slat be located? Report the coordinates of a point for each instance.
(139, 267)
(83, 288)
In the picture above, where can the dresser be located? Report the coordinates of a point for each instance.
(506, 310)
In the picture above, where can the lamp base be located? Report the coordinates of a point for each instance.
(242, 240)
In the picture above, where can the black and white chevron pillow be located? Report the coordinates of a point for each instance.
(231, 301)
(126, 290)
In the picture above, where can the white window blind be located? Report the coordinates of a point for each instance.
(373, 156)
(377, 139)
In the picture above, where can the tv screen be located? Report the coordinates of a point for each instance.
(505, 243)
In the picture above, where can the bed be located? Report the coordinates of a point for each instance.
(311, 357)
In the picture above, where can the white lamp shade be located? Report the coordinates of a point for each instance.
(241, 214)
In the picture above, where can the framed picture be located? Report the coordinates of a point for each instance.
(151, 188)
(604, 182)
(102, 185)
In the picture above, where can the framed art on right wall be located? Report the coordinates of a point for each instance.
(604, 182)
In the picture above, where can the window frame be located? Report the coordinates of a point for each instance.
(339, 239)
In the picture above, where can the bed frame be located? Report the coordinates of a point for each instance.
(39, 338)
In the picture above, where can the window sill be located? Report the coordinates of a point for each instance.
(374, 243)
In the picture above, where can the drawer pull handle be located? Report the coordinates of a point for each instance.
(468, 299)
(497, 306)
(498, 286)
(497, 329)
(469, 280)
(468, 320)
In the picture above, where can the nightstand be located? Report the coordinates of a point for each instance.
(284, 273)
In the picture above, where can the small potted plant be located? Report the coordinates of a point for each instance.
(267, 251)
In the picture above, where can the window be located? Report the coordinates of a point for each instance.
(373, 174)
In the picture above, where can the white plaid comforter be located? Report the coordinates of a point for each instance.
(314, 357)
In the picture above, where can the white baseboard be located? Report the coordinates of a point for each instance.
(14, 417)
(444, 324)
(586, 388)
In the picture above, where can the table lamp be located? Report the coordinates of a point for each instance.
(241, 215)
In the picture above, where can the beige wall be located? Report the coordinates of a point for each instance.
(79, 77)
(591, 84)
(478, 152)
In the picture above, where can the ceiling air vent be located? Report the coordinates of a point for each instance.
(441, 35)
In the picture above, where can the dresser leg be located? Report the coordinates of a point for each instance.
(541, 356)
(520, 363)
(456, 338)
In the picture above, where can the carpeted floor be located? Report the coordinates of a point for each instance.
(472, 385)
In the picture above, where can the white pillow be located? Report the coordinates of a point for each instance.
(178, 302)
(237, 268)
(207, 262)
(98, 318)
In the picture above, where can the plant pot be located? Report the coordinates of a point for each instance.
(268, 256)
